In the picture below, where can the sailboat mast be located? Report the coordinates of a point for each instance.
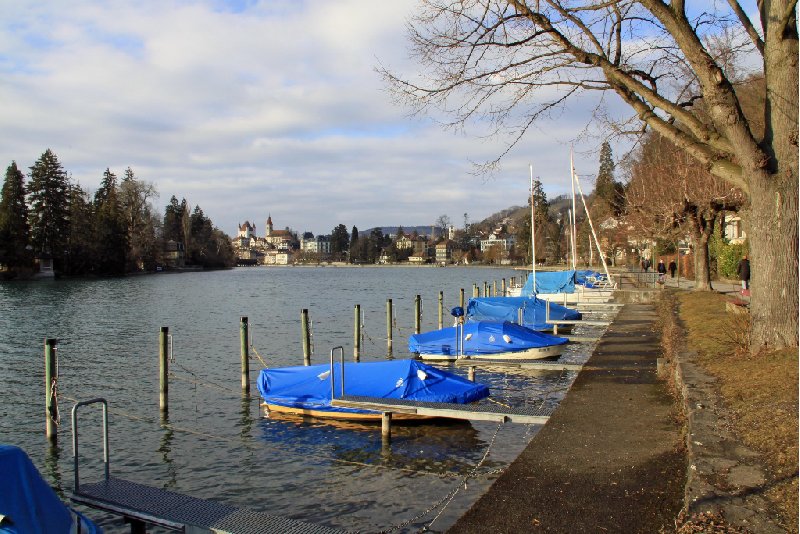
(572, 221)
(533, 233)
(594, 234)
(571, 238)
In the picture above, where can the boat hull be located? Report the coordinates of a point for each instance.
(338, 416)
(535, 353)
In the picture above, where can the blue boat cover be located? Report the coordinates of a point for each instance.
(588, 278)
(482, 337)
(28, 505)
(534, 311)
(309, 387)
(549, 282)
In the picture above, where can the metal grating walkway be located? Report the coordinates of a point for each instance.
(475, 412)
(184, 513)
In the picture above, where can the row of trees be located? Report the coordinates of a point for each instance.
(676, 66)
(113, 232)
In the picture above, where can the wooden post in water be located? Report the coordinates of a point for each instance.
(386, 426)
(475, 290)
(357, 333)
(306, 337)
(50, 382)
(494, 288)
(503, 287)
(244, 335)
(486, 289)
(163, 370)
(417, 313)
(389, 323)
(441, 309)
(471, 373)
(461, 298)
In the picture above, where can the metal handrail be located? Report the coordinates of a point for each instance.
(341, 360)
(75, 436)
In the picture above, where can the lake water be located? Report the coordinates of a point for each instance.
(215, 444)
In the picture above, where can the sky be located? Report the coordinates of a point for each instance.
(254, 109)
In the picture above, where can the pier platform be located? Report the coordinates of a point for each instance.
(611, 457)
(141, 504)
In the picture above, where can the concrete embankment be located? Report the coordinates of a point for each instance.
(611, 458)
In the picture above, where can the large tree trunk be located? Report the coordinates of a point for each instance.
(774, 249)
(774, 189)
(702, 269)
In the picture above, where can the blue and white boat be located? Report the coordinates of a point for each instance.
(530, 312)
(28, 505)
(308, 390)
(568, 287)
(486, 340)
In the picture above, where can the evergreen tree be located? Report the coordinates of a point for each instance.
(14, 229)
(173, 221)
(201, 231)
(48, 212)
(340, 241)
(543, 221)
(606, 187)
(111, 236)
(356, 250)
(82, 247)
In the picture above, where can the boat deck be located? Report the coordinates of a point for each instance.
(472, 412)
(174, 511)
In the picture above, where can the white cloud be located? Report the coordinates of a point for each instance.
(249, 109)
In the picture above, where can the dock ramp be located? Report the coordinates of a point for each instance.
(141, 505)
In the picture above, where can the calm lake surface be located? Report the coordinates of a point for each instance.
(216, 444)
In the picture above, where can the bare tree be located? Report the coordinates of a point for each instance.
(511, 62)
(669, 190)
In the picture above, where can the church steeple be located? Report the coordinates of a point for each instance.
(269, 225)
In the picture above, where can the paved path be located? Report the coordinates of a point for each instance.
(609, 460)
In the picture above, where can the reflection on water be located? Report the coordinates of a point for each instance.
(215, 444)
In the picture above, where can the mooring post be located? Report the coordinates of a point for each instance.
(485, 289)
(386, 425)
(357, 333)
(306, 337)
(475, 290)
(461, 298)
(163, 369)
(50, 384)
(494, 288)
(417, 313)
(503, 287)
(244, 334)
(441, 309)
(389, 323)
(471, 373)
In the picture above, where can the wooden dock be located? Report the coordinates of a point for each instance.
(469, 412)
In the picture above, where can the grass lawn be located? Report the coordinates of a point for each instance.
(760, 392)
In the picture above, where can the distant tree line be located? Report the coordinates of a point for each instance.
(114, 232)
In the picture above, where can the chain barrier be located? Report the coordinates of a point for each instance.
(55, 414)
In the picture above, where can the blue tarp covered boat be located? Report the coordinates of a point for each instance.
(28, 505)
(486, 340)
(572, 285)
(549, 282)
(534, 311)
(306, 390)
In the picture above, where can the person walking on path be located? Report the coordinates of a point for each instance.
(672, 268)
(662, 271)
(646, 264)
(744, 272)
